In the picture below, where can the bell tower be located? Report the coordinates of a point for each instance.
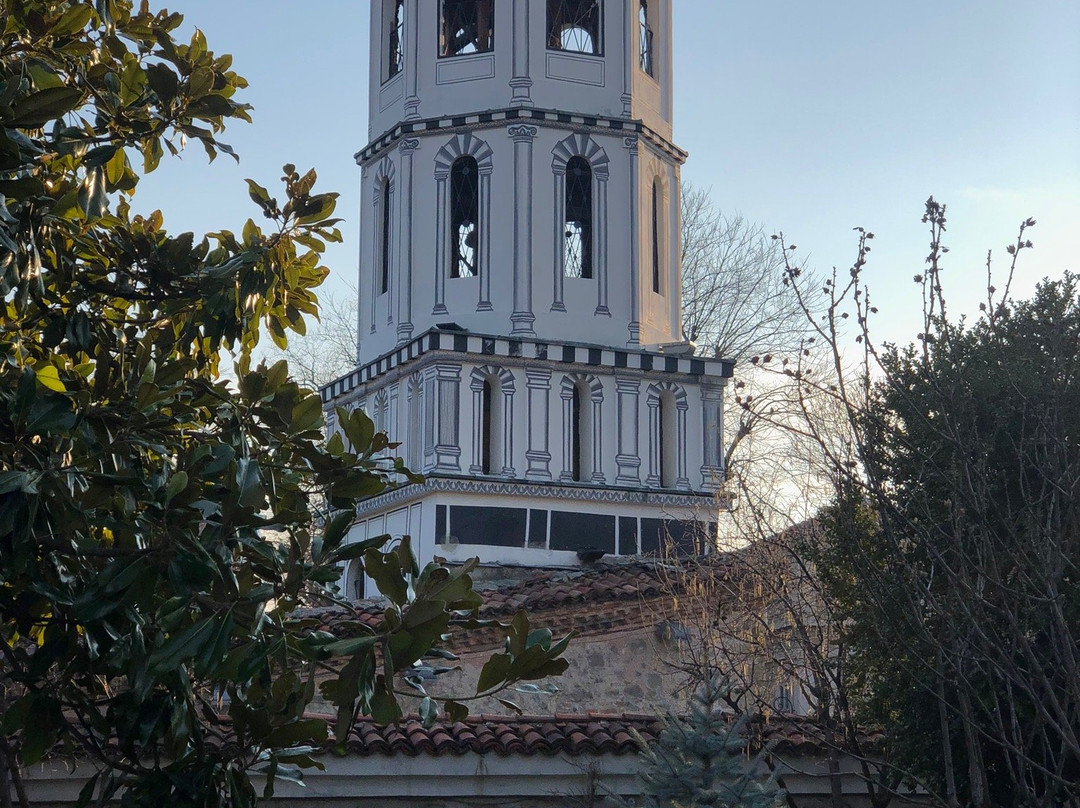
(518, 326)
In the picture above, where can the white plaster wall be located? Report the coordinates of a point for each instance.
(520, 71)
(524, 241)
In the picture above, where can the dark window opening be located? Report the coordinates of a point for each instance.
(582, 531)
(464, 217)
(384, 281)
(467, 26)
(577, 251)
(486, 432)
(442, 527)
(538, 523)
(646, 39)
(574, 25)
(395, 41)
(656, 238)
(628, 533)
(491, 527)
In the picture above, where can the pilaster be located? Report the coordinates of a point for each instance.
(538, 454)
(522, 318)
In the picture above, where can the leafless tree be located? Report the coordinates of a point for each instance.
(328, 350)
(735, 302)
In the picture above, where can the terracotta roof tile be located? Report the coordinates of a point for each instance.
(590, 734)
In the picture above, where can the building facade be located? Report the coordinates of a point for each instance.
(518, 325)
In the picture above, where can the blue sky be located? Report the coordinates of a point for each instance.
(809, 117)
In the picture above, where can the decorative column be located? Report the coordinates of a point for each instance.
(601, 249)
(441, 241)
(447, 447)
(674, 261)
(508, 430)
(484, 265)
(558, 167)
(682, 482)
(628, 458)
(653, 479)
(522, 318)
(405, 283)
(538, 381)
(476, 467)
(430, 402)
(631, 144)
(521, 82)
(567, 396)
(412, 97)
(360, 282)
(712, 424)
(597, 437)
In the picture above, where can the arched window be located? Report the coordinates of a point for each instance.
(577, 251)
(574, 25)
(581, 434)
(647, 64)
(467, 26)
(491, 418)
(464, 218)
(395, 38)
(384, 278)
(669, 445)
(656, 237)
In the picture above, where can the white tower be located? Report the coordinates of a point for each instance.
(519, 308)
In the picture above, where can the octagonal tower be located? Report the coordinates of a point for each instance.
(518, 326)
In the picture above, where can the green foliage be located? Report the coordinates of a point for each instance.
(159, 524)
(702, 760)
(953, 551)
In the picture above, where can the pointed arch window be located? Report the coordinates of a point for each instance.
(578, 245)
(384, 274)
(647, 53)
(464, 218)
(395, 38)
(656, 287)
(466, 27)
(574, 25)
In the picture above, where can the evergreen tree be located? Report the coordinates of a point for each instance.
(701, 759)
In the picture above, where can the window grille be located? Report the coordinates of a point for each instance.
(647, 64)
(577, 252)
(395, 46)
(574, 25)
(464, 217)
(467, 26)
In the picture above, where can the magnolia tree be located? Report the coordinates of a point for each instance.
(160, 525)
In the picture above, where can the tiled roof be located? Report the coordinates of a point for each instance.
(589, 734)
(603, 598)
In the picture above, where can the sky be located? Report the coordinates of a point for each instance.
(810, 118)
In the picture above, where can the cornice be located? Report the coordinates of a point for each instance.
(495, 118)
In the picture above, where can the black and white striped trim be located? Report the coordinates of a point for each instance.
(561, 352)
(479, 120)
